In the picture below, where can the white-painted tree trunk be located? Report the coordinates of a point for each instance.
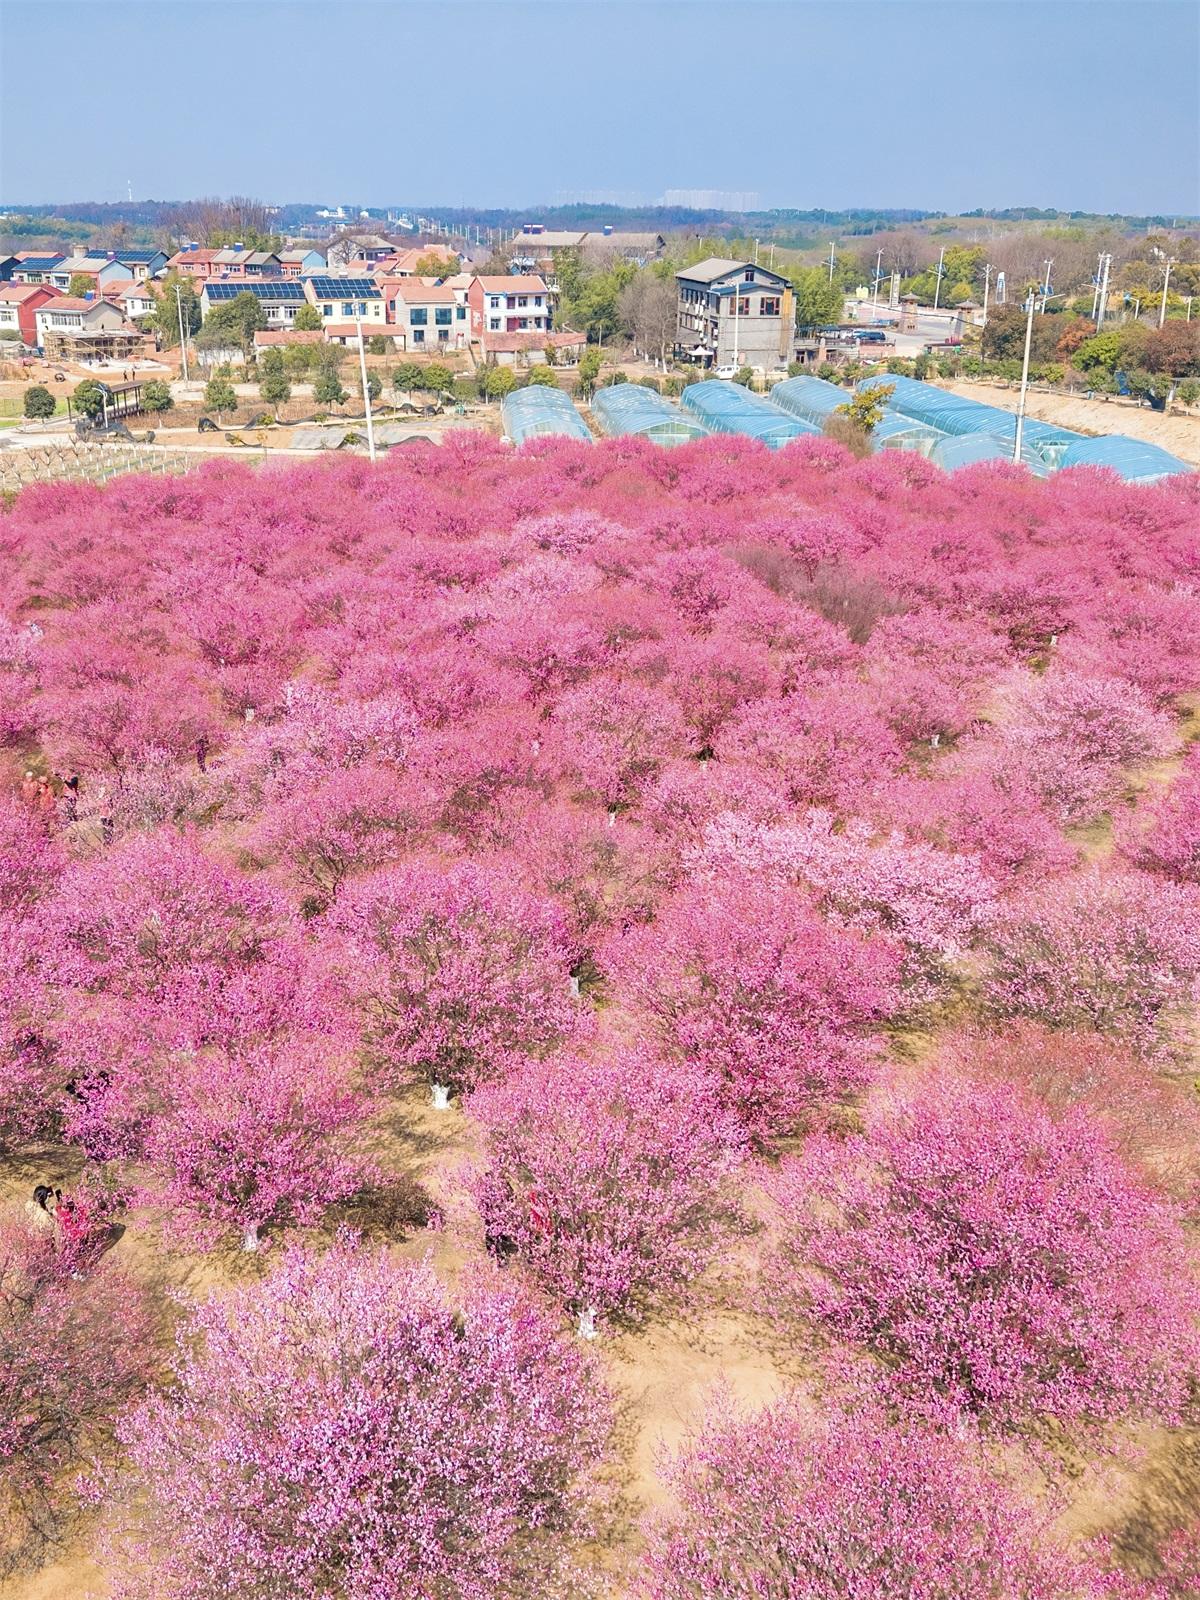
(586, 1326)
(574, 982)
(612, 816)
(250, 1237)
(441, 1097)
(936, 740)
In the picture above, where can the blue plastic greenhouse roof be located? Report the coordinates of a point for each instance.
(955, 450)
(540, 412)
(954, 413)
(813, 400)
(729, 408)
(624, 408)
(1134, 459)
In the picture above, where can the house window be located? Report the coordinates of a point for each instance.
(494, 302)
(461, 313)
(347, 308)
(418, 335)
(522, 299)
(326, 311)
(419, 317)
(768, 306)
(443, 335)
(748, 275)
(494, 325)
(442, 317)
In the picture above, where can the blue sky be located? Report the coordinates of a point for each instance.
(1088, 105)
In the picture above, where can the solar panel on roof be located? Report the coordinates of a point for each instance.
(278, 289)
(344, 288)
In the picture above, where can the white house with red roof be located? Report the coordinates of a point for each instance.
(508, 305)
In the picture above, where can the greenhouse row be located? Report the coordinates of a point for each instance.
(630, 408)
(948, 429)
(541, 412)
(726, 407)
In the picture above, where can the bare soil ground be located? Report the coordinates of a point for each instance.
(1177, 433)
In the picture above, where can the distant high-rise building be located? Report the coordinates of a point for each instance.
(712, 199)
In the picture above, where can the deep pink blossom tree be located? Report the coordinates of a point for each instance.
(345, 1427)
(743, 977)
(612, 738)
(74, 1349)
(1000, 1264)
(793, 1504)
(460, 970)
(608, 1179)
(244, 1144)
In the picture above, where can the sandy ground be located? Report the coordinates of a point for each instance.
(1177, 433)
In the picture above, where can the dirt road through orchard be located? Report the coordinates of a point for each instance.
(1178, 434)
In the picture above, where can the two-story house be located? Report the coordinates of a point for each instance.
(280, 298)
(510, 305)
(19, 304)
(425, 316)
(734, 314)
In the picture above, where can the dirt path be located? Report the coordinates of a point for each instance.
(1178, 434)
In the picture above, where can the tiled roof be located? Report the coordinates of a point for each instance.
(514, 285)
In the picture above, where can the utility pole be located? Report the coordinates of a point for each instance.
(1102, 302)
(878, 275)
(987, 285)
(1162, 310)
(362, 367)
(1024, 379)
(182, 333)
(1096, 285)
(736, 297)
(937, 292)
(831, 245)
(1046, 284)
(756, 252)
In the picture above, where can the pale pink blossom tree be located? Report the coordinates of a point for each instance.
(999, 1264)
(345, 1427)
(797, 1504)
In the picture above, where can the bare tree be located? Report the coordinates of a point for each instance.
(647, 309)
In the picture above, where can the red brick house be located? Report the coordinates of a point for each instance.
(508, 305)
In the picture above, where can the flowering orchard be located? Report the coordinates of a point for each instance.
(766, 881)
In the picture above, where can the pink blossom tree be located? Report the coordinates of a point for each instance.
(827, 748)
(343, 1426)
(1075, 738)
(794, 1504)
(1163, 834)
(461, 970)
(1115, 952)
(934, 904)
(746, 979)
(612, 738)
(242, 1144)
(998, 1263)
(609, 1180)
(74, 1349)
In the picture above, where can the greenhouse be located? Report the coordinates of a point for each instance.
(953, 450)
(1134, 459)
(953, 413)
(814, 400)
(629, 408)
(540, 412)
(727, 407)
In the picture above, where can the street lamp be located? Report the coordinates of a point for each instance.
(362, 367)
(1031, 306)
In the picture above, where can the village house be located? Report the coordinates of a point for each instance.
(297, 263)
(136, 299)
(426, 316)
(342, 301)
(734, 313)
(280, 298)
(19, 304)
(73, 329)
(102, 272)
(507, 305)
(32, 267)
